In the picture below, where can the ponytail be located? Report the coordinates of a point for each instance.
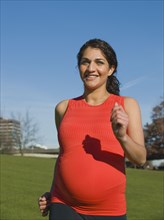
(113, 85)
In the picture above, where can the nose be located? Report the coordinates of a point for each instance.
(91, 67)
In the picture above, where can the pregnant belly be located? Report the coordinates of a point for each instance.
(85, 179)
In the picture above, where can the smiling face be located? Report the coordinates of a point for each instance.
(94, 69)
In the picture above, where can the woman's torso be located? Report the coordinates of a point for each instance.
(90, 173)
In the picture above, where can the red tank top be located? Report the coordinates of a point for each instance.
(90, 170)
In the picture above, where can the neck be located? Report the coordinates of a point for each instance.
(96, 97)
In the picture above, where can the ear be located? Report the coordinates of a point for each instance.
(111, 70)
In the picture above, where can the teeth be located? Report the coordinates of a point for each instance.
(91, 76)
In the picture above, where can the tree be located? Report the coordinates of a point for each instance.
(154, 133)
(28, 133)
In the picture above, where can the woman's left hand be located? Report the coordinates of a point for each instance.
(119, 120)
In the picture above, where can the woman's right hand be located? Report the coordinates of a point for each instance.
(44, 203)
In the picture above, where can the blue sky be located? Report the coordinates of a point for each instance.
(40, 40)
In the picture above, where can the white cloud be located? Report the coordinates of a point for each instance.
(132, 83)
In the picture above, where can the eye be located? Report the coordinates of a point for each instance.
(84, 62)
(99, 62)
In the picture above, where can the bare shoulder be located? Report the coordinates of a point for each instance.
(131, 104)
(60, 110)
(61, 106)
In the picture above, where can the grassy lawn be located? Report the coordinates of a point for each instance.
(145, 194)
(23, 179)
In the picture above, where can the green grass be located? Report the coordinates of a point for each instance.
(24, 179)
(145, 194)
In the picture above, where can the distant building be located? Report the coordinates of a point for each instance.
(10, 134)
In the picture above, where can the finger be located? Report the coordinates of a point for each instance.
(121, 120)
(118, 116)
(121, 123)
(42, 206)
(44, 211)
(44, 203)
(42, 198)
(119, 112)
(117, 106)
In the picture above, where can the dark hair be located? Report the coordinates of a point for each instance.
(112, 82)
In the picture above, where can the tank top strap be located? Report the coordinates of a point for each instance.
(112, 99)
(75, 102)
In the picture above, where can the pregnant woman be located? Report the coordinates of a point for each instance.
(96, 131)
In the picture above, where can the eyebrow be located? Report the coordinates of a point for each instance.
(85, 58)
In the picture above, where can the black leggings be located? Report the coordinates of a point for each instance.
(60, 211)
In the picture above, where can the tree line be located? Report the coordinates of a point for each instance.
(154, 133)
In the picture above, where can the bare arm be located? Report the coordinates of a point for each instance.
(127, 127)
(44, 200)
